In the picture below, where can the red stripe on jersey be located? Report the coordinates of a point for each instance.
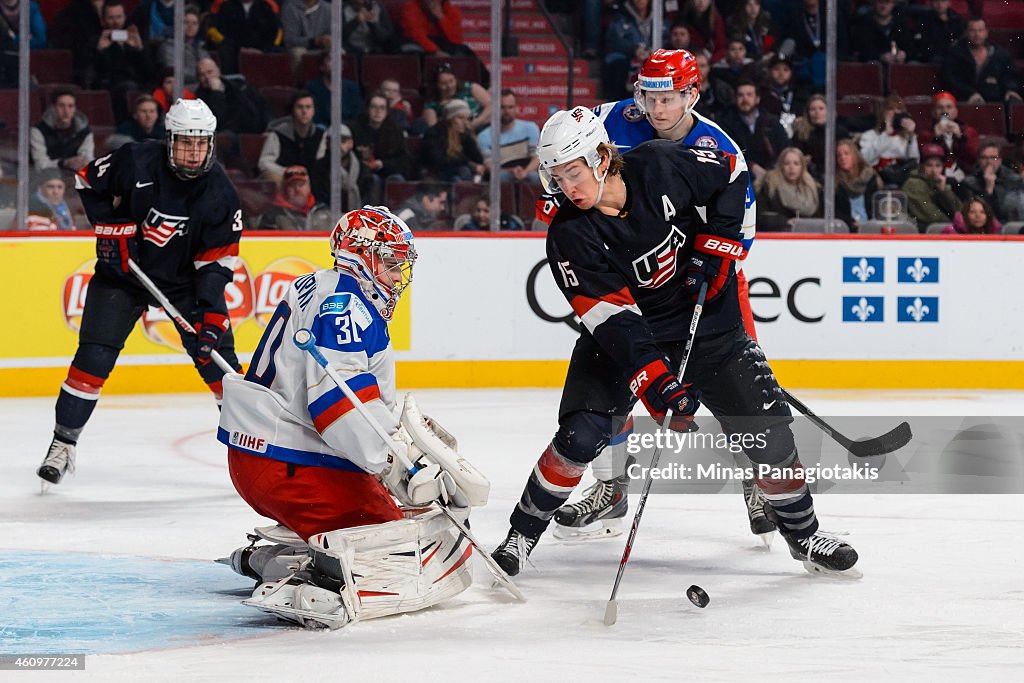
(217, 253)
(83, 381)
(82, 174)
(462, 560)
(557, 471)
(336, 411)
(732, 161)
(581, 304)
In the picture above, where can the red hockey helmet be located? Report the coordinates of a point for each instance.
(376, 247)
(665, 71)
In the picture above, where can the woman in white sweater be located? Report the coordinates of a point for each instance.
(893, 141)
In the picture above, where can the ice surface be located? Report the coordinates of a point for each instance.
(115, 561)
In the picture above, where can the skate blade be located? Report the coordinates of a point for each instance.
(767, 539)
(853, 573)
(606, 528)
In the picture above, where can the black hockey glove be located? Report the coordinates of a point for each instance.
(660, 391)
(116, 243)
(711, 262)
(208, 334)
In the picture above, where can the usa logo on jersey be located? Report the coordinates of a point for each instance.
(159, 228)
(657, 266)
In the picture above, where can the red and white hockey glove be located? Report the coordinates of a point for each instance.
(660, 391)
(116, 243)
(712, 262)
(208, 334)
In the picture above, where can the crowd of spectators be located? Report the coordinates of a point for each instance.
(762, 64)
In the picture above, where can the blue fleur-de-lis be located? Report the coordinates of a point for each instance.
(918, 310)
(918, 271)
(863, 310)
(863, 270)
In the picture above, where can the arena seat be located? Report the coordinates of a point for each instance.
(855, 78)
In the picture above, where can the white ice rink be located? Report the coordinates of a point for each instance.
(117, 562)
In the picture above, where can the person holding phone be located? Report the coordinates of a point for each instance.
(122, 63)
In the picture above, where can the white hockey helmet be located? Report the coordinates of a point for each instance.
(570, 135)
(376, 247)
(190, 118)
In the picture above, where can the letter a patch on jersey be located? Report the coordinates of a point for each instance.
(159, 228)
(658, 265)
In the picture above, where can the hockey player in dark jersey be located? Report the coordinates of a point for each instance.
(170, 209)
(630, 253)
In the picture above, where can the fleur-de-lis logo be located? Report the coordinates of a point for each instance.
(918, 271)
(863, 310)
(864, 270)
(918, 310)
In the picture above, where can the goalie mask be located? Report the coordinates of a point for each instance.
(667, 71)
(191, 132)
(376, 247)
(567, 136)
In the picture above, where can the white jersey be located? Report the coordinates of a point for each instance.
(287, 408)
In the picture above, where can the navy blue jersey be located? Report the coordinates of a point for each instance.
(188, 229)
(623, 275)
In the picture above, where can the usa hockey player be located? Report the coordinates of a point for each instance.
(630, 254)
(299, 453)
(171, 209)
(666, 91)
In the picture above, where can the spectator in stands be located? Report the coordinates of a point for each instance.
(194, 50)
(787, 192)
(999, 186)
(367, 27)
(679, 38)
(754, 26)
(399, 109)
(856, 184)
(517, 143)
(422, 211)
(294, 206)
(448, 88)
(292, 140)
(736, 66)
(380, 142)
(164, 93)
(239, 24)
(145, 124)
(434, 26)
(781, 95)
(627, 42)
(47, 209)
(306, 27)
(937, 31)
(891, 147)
(122, 63)
(238, 107)
(62, 139)
(155, 19)
(804, 42)
(715, 94)
(320, 89)
(755, 131)
(959, 139)
(930, 199)
(357, 182)
(976, 219)
(450, 151)
(881, 36)
(480, 218)
(979, 71)
(707, 26)
(10, 11)
(809, 135)
(77, 28)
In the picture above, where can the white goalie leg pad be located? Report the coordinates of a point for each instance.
(399, 566)
(441, 447)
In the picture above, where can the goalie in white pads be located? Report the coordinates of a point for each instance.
(300, 454)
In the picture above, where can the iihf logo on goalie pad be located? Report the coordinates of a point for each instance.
(657, 266)
(159, 228)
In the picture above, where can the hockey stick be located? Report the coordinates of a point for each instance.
(611, 611)
(305, 340)
(173, 312)
(893, 440)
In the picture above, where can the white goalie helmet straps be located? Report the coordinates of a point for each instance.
(569, 135)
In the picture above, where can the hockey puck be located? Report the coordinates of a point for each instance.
(698, 596)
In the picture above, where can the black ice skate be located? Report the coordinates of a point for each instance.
(59, 460)
(605, 502)
(760, 524)
(823, 553)
(512, 553)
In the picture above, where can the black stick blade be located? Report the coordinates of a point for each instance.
(891, 441)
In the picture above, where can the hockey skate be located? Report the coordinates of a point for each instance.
(301, 603)
(59, 460)
(512, 554)
(605, 502)
(823, 553)
(760, 525)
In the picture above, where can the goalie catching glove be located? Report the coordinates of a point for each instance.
(712, 262)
